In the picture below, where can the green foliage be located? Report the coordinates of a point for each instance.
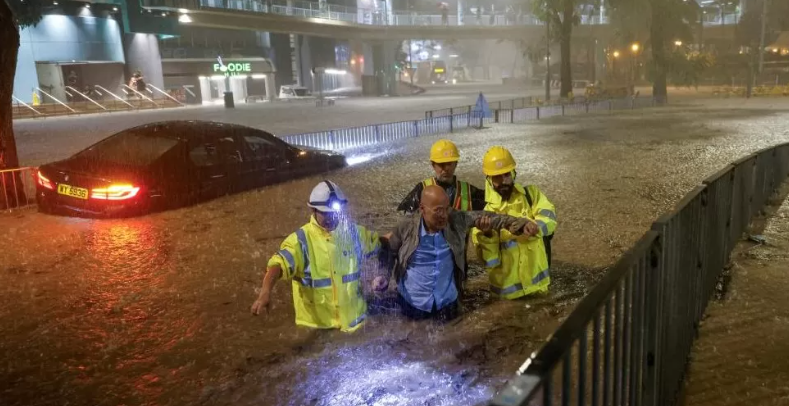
(688, 69)
(749, 28)
(632, 20)
(552, 11)
(26, 12)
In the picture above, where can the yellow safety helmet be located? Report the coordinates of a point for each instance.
(444, 151)
(497, 161)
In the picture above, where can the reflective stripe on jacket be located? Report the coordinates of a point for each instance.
(462, 200)
(517, 265)
(325, 270)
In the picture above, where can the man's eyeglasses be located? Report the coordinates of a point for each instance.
(439, 210)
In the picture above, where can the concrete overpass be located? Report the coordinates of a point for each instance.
(324, 20)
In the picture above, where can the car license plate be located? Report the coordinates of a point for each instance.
(73, 191)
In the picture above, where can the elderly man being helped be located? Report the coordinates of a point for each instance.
(430, 254)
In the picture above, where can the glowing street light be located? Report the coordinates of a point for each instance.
(678, 43)
(635, 47)
(616, 54)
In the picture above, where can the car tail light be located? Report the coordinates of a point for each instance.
(115, 192)
(43, 181)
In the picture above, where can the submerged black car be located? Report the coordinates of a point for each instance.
(172, 164)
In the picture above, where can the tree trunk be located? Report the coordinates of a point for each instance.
(10, 196)
(658, 38)
(566, 38)
(9, 38)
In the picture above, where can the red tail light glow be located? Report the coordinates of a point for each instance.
(115, 192)
(43, 181)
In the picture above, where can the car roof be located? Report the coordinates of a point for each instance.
(187, 130)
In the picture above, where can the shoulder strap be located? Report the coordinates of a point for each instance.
(528, 196)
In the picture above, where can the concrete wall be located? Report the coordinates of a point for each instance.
(142, 53)
(305, 61)
(50, 80)
(107, 75)
(280, 53)
(58, 38)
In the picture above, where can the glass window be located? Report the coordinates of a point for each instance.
(204, 155)
(262, 149)
(139, 147)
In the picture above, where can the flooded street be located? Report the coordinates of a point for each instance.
(155, 310)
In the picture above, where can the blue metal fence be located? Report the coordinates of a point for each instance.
(378, 134)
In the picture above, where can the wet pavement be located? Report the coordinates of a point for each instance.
(741, 355)
(155, 310)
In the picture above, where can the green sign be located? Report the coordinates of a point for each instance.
(233, 68)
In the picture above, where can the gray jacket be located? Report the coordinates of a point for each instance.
(405, 238)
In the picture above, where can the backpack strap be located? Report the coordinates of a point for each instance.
(528, 196)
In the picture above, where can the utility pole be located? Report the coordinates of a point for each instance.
(761, 41)
(548, 58)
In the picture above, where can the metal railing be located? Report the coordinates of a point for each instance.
(369, 135)
(629, 340)
(510, 104)
(364, 16)
(17, 188)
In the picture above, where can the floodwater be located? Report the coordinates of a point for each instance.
(155, 310)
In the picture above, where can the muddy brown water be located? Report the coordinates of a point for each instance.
(154, 310)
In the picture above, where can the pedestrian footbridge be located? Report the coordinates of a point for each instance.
(320, 19)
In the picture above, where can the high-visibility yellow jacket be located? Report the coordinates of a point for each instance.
(325, 270)
(517, 265)
(462, 199)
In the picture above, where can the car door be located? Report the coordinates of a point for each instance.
(217, 161)
(270, 159)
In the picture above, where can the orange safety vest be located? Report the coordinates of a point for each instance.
(462, 194)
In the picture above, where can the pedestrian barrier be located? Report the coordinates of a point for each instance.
(18, 188)
(628, 341)
(511, 104)
(354, 137)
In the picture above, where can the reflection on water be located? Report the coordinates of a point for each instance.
(362, 158)
(359, 376)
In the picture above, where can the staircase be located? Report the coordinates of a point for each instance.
(20, 110)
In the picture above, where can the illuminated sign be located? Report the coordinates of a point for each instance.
(438, 70)
(233, 68)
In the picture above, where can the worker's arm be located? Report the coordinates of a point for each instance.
(487, 246)
(543, 211)
(490, 222)
(264, 298)
(410, 203)
(391, 243)
(284, 265)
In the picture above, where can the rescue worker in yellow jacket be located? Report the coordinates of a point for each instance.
(323, 261)
(444, 157)
(517, 265)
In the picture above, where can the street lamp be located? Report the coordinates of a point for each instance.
(635, 47)
(678, 43)
(616, 54)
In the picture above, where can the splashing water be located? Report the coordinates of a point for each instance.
(381, 377)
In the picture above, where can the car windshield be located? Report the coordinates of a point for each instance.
(300, 92)
(132, 147)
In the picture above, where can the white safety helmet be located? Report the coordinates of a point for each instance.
(327, 197)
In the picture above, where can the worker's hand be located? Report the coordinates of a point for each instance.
(263, 303)
(380, 283)
(531, 229)
(484, 224)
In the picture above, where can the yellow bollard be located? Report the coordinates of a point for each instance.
(36, 99)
